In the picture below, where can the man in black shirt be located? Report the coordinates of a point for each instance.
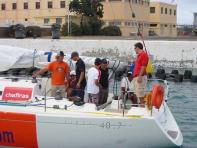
(104, 82)
(80, 75)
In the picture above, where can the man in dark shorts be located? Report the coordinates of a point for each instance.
(80, 75)
(93, 82)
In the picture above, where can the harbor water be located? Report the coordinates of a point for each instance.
(183, 105)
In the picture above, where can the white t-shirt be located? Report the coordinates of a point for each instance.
(127, 84)
(92, 75)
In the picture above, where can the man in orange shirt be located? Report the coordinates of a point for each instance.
(59, 71)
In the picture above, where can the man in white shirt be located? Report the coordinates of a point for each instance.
(127, 85)
(93, 82)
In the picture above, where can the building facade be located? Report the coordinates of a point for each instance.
(121, 13)
(150, 18)
(163, 19)
(33, 12)
(195, 20)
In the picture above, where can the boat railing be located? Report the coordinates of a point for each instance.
(126, 105)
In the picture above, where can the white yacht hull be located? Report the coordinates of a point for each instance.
(100, 133)
(59, 129)
(32, 122)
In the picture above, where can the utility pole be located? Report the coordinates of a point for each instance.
(68, 19)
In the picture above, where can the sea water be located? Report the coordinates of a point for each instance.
(183, 105)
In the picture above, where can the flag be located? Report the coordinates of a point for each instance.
(150, 68)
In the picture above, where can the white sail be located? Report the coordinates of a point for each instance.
(15, 57)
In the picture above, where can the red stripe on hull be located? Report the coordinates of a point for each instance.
(18, 129)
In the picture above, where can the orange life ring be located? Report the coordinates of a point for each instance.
(157, 96)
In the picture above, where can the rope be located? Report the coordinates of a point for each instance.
(142, 38)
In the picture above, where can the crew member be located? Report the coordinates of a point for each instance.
(93, 82)
(104, 82)
(59, 71)
(140, 75)
(80, 75)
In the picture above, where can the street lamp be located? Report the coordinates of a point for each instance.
(68, 20)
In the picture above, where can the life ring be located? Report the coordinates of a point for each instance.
(157, 96)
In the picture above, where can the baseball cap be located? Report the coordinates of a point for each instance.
(129, 73)
(104, 61)
(60, 53)
(72, 73)
(97, 61)
(74, 54)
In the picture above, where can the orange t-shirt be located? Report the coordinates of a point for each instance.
(59, 71)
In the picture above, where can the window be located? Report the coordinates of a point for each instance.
(114, 0)
(25, 5)
(62, 4)
(170, 11)
(166, 11)
(2, 6)
(152, 9)
(59, 20)
(37, 5)
(50, 4)
(14, 6)
(115, 23)
(161, 10)
(174, 12)
(46, 21)
(153, 25)
(127, 23)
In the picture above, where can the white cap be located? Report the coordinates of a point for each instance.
(130, 72)
(73, 73)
